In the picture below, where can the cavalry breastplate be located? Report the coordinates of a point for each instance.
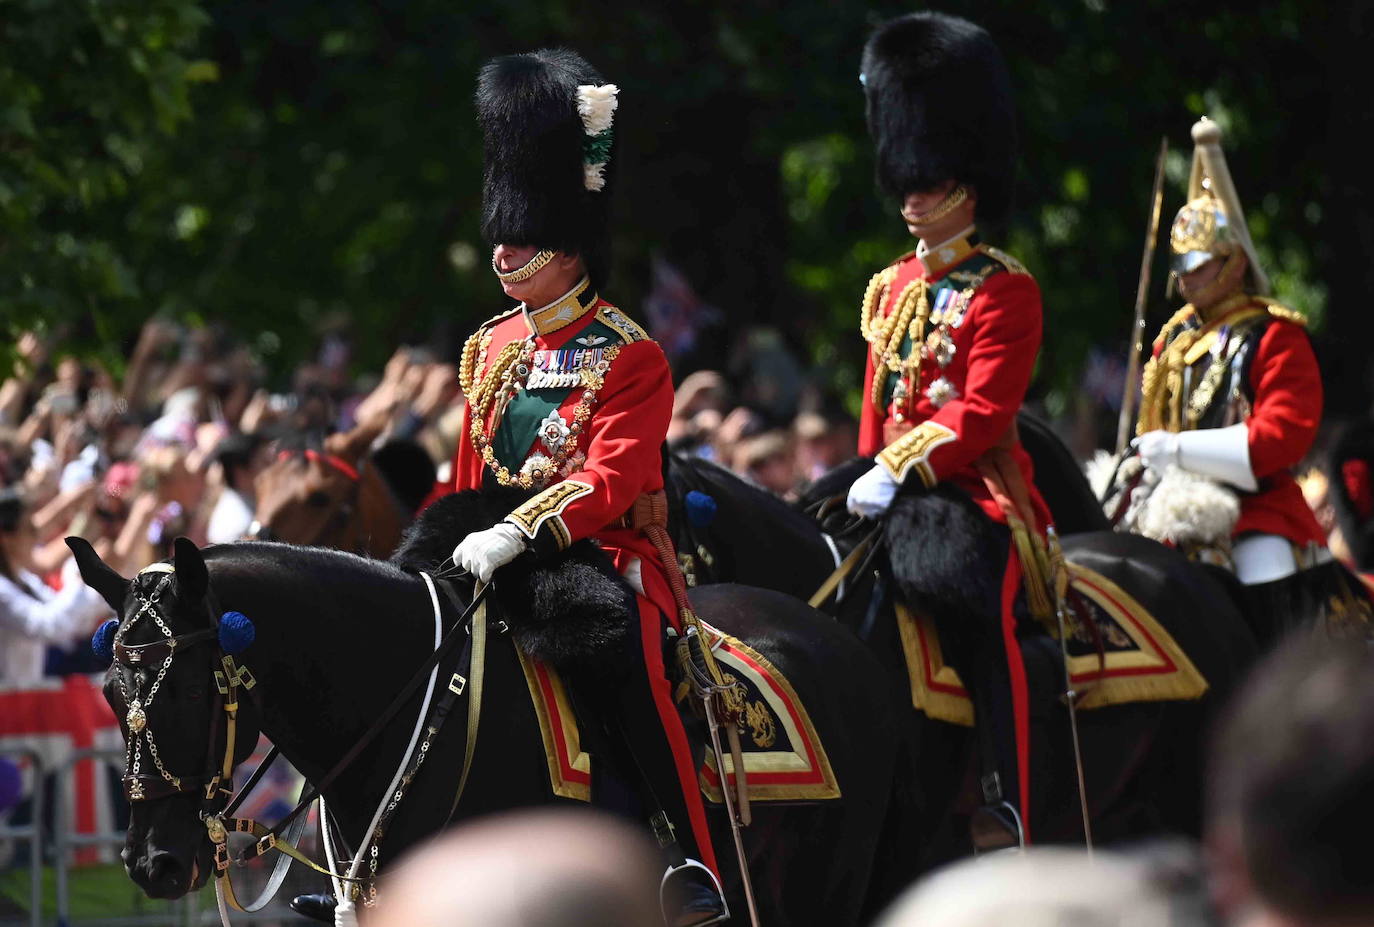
(1215, 384)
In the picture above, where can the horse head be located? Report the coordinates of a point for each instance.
(342, 494)
(167, 686)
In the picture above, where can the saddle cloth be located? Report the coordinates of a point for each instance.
(784, 759)
(1140, 661)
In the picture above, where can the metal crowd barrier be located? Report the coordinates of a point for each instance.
(31, 832)
(185, 912)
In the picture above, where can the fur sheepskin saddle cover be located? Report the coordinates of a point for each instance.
(572, 610)
(945, 555)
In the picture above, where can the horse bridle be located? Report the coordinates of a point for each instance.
(212, 786)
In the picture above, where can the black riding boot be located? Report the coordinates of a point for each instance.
(637, 748)
(999, 823)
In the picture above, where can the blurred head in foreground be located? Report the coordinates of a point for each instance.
(1291, 790)
(542, 868)
(1057, 887)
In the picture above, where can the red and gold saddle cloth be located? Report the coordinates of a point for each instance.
(784, 759)
(1138, 660)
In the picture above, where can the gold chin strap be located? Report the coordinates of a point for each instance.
(531, 267)
(951, 202)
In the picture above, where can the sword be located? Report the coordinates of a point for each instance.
(710, 694)
(1123, 424)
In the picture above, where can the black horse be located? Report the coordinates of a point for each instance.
(337, 636)
(1143, 762)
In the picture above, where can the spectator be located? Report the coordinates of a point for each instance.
(1289, 811)
(767, 459)
(544, 868)
(824, 441)
(235, 462)
(31, 614)
(1054, 887)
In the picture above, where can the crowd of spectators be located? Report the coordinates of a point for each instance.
(172, 442)
(170, 446)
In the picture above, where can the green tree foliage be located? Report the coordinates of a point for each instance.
(332, 170)
(90, 93)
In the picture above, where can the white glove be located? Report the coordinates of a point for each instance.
(871, 494)
(1219, 453)
(482, 553)
(1158, 449)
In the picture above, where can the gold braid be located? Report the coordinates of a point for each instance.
(480, 397)
(908, 317)
(1161, 383)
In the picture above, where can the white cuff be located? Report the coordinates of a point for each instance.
(1221, 453)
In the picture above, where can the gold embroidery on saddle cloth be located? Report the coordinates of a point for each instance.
(570, 768)
(913, 450)
(1143, 662)
(548, 507)
(797, 770)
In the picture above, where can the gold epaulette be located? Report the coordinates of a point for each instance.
(1280, 311)
(474, 347)
(1006, 260)
(624, 326)
(892, 265)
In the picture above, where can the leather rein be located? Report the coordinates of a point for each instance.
(214, 786)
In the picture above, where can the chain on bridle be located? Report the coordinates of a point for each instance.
(213, 785)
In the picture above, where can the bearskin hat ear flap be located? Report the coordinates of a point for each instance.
(547, 176)
(940, 108)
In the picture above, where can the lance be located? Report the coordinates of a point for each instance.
(1142, 289)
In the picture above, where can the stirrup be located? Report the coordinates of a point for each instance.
(996, 826)
(709, 918)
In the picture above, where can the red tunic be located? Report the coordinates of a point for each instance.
(995, 338)
(618, 449)
(586, 421)
(1285, 410)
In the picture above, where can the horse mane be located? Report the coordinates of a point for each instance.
(573, 609)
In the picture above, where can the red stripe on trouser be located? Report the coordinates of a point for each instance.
(1016, 672)
(651, 631)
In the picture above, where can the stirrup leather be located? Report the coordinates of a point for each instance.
(681, 867)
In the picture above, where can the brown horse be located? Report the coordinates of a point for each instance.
(341, 494)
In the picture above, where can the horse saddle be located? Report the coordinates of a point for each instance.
(784, 759)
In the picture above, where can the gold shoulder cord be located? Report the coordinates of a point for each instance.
(885, 335)
(1162, 379)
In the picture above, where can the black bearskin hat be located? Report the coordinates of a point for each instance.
(940, 108)
(544, 178)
